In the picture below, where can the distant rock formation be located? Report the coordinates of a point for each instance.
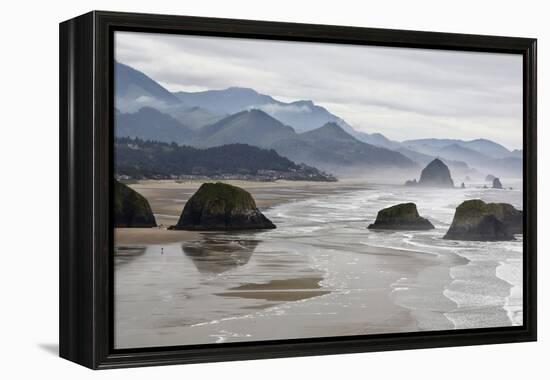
(497, 184)
(403, 216)
(462, 186)
(479, 221)
(131, 209)
(436, 174)
(219, 206)
(490, 178)
(467, 178)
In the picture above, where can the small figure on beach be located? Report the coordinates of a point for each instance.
(162, 250)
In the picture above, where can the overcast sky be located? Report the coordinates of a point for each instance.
(402, 93)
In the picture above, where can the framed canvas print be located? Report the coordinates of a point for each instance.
(238, 189)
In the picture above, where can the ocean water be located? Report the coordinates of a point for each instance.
(375, 281)
(490, 280)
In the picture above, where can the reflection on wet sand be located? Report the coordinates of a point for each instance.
(219, 253)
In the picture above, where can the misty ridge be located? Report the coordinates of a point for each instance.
(307, 135)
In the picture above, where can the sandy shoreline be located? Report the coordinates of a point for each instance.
(129, 236)
(385, 300)
(167, 199)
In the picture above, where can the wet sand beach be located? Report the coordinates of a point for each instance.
(293, 289)
(172, 302)
(320, 273)
(167, 197)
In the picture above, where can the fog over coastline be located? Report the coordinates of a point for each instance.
(402, 93)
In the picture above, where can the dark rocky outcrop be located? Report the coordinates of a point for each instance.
(509, 215)
(219, 206)
(497, 184)
(436, 173)
(131, 209)
(490, 178)
(480, 221)
(462, 186)
(403, 216)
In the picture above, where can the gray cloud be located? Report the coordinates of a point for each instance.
(402, 93)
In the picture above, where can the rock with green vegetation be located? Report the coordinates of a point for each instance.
(436, 174)
(219, 206)
(131, 209)
(479, 221)
(403, 216)
(497, 184)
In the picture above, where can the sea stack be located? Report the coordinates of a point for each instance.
(479, 221)
(497, 184)
(403, 216)
(131, 209)
(219, 206)
(490, 178)
(436, 174)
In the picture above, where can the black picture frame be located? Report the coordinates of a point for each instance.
(86, 140)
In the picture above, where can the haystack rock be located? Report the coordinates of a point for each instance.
(403, 216)
(436, 174)
(490, 178)
(219, 206)
(479, 221)
(131, 209)
(497, 184)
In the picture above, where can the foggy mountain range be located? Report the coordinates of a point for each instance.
(300, 130)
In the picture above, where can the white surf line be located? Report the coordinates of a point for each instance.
(409, 250)
(514, 313)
